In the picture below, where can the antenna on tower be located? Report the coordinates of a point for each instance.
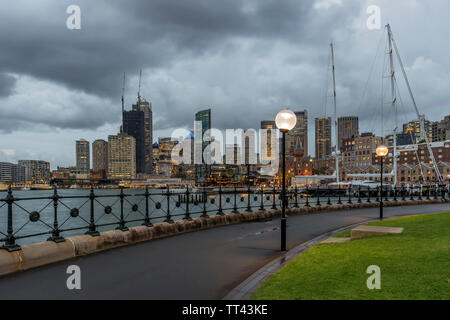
(123, 93)
(139, 89)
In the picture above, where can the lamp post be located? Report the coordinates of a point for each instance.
(285, 121)
(381, 152)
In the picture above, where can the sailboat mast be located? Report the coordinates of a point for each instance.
(335, 115)
(394, 100)
(419, 116)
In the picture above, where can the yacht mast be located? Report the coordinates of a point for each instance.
(394, 100)
(336, 149)
(427, 140)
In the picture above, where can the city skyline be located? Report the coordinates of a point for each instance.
(262, 68)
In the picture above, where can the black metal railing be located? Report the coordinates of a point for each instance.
(60, 213)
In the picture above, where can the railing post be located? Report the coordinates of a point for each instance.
(420, 192)
(386, 195)
(349, 195)
(235, 210)
(55, 237)
(442, 192)
(318, 197)
(187, 215)
(249, 207)
(168, 216)
(368, 195)
(205, 200)
(274, 206)
(395, 193)
(411, 194)
(378, 194)
(122, 225)
(10, 243)
(92, 231)
(220, 212)
(147, 221)
(307, 197)
(435, 191)
(428, 193)
(359, 194)
(339, 196)
(329, 199)
(261, 208)
(296, 197)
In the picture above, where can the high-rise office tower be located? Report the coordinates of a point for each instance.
(348, 128)
(202, 170)
(323, 137)
(121, 157)
(146, 108)
(268, 133)
(134, 125)
(100, 157)
(297, 138)
(83, 156)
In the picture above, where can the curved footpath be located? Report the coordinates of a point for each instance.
(198, 265)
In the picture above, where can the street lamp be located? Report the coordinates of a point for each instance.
(285, 121)
(381, 152)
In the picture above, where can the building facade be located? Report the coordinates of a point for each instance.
(323, 137)
(100, 157)
(348, 128)
(134, 125)
(146, 108)
(83, 159)
(297, 138)
(121, 157)
(36, 171)
(10, 172)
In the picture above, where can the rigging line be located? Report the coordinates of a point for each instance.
(370, 73)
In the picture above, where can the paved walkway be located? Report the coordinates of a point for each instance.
(199, 265)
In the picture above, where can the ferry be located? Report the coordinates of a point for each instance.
(41, 187)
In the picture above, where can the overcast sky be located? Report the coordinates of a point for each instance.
(244, 59)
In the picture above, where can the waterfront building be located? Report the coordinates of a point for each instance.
(100, 157)
(83, 161)
(419, 132)
(323, 137)
(297, 138)
(146, 107)
(134, 125)
(121, 157)
(10, 172)
(36, 171)
(348, 128)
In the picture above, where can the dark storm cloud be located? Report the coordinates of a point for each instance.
(7, 83)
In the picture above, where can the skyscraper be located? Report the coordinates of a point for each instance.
(121, 157)
(146, 108)
(348, 128)
(323, 137)
(297, 138)
(83, 156)
(202, 170)
(134, 125)
(204, 117)
(268, 150)
(100, 157)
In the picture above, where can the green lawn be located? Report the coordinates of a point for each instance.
(414, 265)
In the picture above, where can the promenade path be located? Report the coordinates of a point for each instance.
(199, 265)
